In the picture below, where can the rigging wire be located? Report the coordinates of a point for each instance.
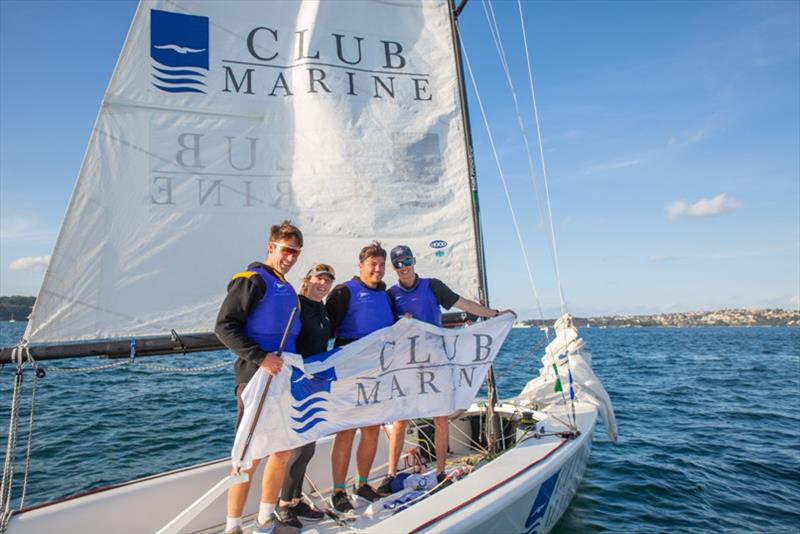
(553, 250)
(500, 172)
(29, 447)
(498, 43)
(13, 420)
(495, 31)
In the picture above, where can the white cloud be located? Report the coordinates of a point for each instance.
(30, 263)
(612, 165)
(795, 300)
(705, 207)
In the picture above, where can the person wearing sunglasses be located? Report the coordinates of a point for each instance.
(251, 323)
(357, 308)
(315, 332)
(422, 298)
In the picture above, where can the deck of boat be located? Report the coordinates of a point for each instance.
(506, 489)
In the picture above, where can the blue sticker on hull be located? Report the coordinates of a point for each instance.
(534, 522)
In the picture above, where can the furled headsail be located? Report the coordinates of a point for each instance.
(223, 118)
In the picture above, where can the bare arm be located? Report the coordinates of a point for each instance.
(475, 308)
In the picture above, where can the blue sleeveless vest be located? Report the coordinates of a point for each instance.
(266, 323)
(368, 310)
(420, 302)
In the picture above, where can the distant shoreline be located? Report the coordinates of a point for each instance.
(19, 308)
(734, 317)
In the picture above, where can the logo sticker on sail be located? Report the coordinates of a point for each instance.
(179, 51)
(439, 245)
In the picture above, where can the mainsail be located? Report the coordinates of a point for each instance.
(223, 118)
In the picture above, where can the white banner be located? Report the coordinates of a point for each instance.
(411, 369)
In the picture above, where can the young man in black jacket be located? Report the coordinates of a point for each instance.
(251, 323)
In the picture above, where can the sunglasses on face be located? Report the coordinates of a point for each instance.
(405, 262)
(286, 250)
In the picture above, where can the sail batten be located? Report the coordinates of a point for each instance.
(223, 118)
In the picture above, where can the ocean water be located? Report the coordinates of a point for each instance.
(709, 426)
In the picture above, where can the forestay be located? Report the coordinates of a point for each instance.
(224, 117)
(411, 369)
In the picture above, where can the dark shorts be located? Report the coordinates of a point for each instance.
(239, 404)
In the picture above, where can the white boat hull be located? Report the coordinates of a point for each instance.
(526, 489)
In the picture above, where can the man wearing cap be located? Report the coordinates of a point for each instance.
(251, 323)
(421, 298)
(357, 308)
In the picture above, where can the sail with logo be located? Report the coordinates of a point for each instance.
(222, 118)
(350, 119)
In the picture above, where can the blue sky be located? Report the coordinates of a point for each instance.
(671, 136)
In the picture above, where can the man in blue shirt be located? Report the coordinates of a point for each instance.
(357, 308)
(421, 298)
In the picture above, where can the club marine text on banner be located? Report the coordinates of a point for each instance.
(410, 369)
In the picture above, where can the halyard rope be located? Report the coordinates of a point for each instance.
(495, 31)
(139, 364)
(30, 431)
(544, 167)
(498, 43)
(8, 465)
(501, 173)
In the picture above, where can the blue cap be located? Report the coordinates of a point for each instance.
(400, 252)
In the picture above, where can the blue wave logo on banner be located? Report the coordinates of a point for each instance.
(179, 51)
(309, 392)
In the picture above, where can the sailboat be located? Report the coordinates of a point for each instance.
(350, 119)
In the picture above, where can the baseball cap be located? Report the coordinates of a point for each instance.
(321, 268)
(399, 252)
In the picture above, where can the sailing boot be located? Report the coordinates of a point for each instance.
(304, 510)
(288, 516)
(366, 492)
(341, 502)
(385, 488)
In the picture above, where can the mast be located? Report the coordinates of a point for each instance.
(483, 286)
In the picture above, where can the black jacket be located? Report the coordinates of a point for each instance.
(316, 327)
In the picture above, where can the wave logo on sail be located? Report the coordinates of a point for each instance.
(310, 394)
(534, 522)
(179, 51)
